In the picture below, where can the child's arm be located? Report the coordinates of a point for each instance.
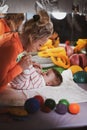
(35, 77)
(29, 79)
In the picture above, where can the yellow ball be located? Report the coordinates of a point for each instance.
(85, 69)
(75, 68)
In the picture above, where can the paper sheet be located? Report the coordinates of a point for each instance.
(67, 90)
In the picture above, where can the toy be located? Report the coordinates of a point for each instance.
(40, 99)
(85, 69)
(75, 68)
(14, 111)
(32, 105)
(50, 103)
(45, 109)
(80, 77)
(61, 108)
(74, 108)
(21, 112)
(64, 101)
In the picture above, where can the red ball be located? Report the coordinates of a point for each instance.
(40, 99)
(45, 109)
(74, 108)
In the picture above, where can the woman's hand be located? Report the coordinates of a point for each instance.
(25, 62)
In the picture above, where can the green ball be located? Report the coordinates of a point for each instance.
(50, 103)
(64, 101)
(80, 77)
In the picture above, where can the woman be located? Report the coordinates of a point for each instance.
(34, 34)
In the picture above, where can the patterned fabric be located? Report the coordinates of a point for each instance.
(29, 79)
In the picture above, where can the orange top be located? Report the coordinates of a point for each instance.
(9, 51)
(4, 27)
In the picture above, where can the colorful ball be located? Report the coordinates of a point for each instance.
(61, 109)
(50, 103)
(74, 108)
(64, 101)
(45, 109)
(32, 105)
(40, 99)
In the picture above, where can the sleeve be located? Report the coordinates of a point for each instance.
(35, 77)
(7, 76)
(29, 79)
(2, 27)
(22, 81)
(6, 72)
(13, 73)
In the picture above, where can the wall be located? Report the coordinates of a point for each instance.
(17, 6)
(28, 5)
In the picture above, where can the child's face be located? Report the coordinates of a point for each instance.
(50, 78)
(37, 44)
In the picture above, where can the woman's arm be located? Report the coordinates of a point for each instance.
(8, 66)
(9, 50)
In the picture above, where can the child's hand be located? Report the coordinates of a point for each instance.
(25, 62)
(36, 65)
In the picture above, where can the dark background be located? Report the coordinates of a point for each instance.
(70, 28)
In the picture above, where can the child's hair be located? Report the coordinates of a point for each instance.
(58, 75)
(38, 27)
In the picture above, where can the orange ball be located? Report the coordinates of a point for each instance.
(74, 108)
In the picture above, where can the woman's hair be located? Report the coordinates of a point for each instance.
(38, 27)
(58, 76)
(14, 20)
(16, 17)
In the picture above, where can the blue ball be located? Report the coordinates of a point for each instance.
(32, 105)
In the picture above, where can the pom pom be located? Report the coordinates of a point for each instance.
(32, 105)
(61, 109)
(50, 103)
(40, 99)
(64, 101)
(80, 77)
(36, 18)
(45, 109)
(74, 108)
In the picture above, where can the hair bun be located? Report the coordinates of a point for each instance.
(36, 18)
